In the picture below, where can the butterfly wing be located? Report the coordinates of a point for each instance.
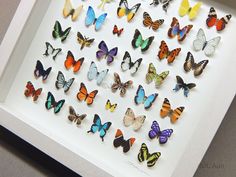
(90, 16)
(140, 95)
(129, 117)
(164, 135)
(165, 109)
(135, 66)
(189, 62)
(50, 102)
(101, 76)
(126, 63)
(151, 74)
(103, 129)
(93, 71)
(137, 39)
(117, 82)
(132, 12)
(184, 8)
(198, 69)
(58, 106)
(60, 82)
(103, 50)
(147, 20)
(160, 78)
(180, 83)
(100, 20)
(220, 25)
(194, 11)
(150, 100)
(143, 153)
(164, 50)
(146, 43)
(68, 84)
(155, 129)
(96, 124)
(111, 54)
(124, 87)
(29, 89)
(82, 94)
(175, 114)
(152, 159)
(57, 30)
(211, 45)
(200, 42)
(67, 10)
(39, 71)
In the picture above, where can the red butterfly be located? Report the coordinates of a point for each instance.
(212, 20)
(117, 31)
(30, 91)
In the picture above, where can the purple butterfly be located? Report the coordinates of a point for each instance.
(104, 52)
(156, 132)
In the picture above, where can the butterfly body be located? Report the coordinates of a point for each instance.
(51, 103)
(94, 74)
(147, 22)
(138, 41)
(84, 41)
(39, 71)
(141, 98)
(127, 64)
(144, 155)
(74, 117)
(182, 85)
(68, 10)
(120, 85)
(50, 50)
(97, 126)
(70, 62)
(117, 31)
(196, 67)
(212, 20)
(92, 20)
(201, 43)
(110, 106)
(62, 83)
(166, 110)
(124, 10)
(83, 94)
(176, 31)
(31, 91)
(185, 9)
(153, 76)
(120, 141)
(164, 52)
(156, 132)
(59, 33)
(104, 52)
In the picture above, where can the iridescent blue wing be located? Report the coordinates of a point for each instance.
(90, 16)
(103, 129)
(58, 106)
(140, 95)
(149, 100)
(100, 20)
(96, 124)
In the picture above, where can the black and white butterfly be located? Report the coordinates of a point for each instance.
(40, 71)
(62, 83)
(196, 67)
(201, 43)
(165, 3)
(50, 50)
(127, 63)
(182, 85)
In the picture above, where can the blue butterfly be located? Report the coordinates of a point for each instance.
(98, 126)
(91, 19)
(140, 97)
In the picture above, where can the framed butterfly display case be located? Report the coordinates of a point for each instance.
(119, 88)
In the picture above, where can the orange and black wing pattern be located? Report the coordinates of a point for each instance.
(147, 22)
(71, 63)
(83, 94)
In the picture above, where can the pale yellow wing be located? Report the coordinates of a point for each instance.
(76, 13)
(67, 8)
(194, 11)
(184, 8)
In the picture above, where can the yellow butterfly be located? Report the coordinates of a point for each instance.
(103, 2)
(69, 10)
(110, 106)
(185, 9)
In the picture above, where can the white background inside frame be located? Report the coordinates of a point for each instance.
(90, 146)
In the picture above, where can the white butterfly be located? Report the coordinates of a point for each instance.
(62, 83)
(94, 74)
(128, 64)
(50, 50)
(130, 119)
(201, 43)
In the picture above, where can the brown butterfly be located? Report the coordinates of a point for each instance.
(166, 53)
(120, 85)
(196, 67)
(147, 22)
(74, 117)
(167, 111)
(84, 41)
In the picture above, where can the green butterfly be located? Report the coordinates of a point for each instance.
(59, 33)
(51, 103)
(152, 75)
(145, 155)
(139, 42)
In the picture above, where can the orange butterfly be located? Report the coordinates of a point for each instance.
(31, 91)
(83, 94)
(70, 62)
(147, 22)
(166, 53)
(117, 31)
(167, 111)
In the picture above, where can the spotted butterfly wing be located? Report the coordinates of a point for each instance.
(84, 41)
(117, 31)
(147, 22)
(31, 91)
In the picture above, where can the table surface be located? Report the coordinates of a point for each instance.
(18, 159)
